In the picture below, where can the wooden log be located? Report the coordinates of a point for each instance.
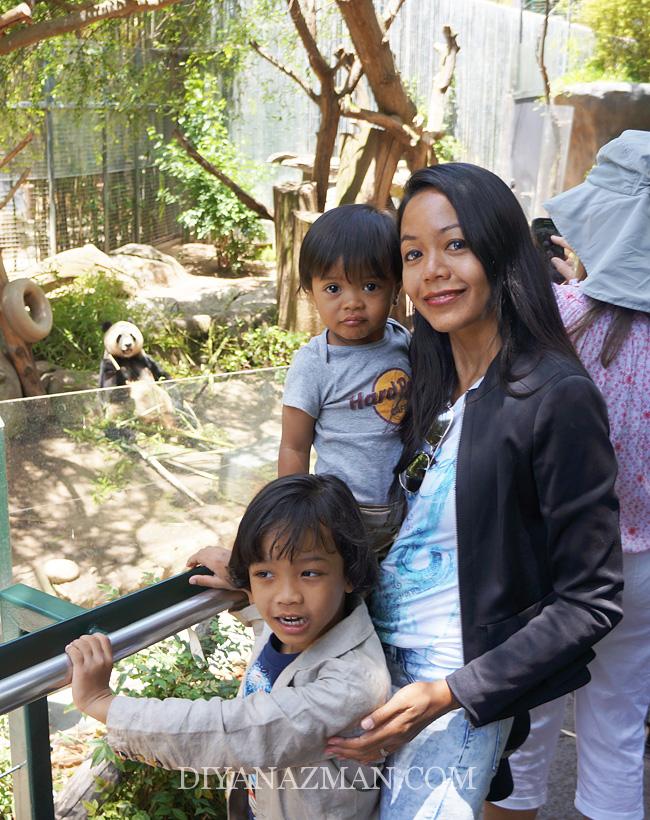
(302, 315)
(18, 351)
(287, 198)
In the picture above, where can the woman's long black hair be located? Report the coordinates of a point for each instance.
(496, 231)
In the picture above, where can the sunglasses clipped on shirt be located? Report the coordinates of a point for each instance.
(412, 477)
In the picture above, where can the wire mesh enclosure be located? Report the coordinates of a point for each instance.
(92, 179)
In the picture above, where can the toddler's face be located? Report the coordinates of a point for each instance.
(299, 599)
(355, 313)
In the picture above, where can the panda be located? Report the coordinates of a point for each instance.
(125, 363)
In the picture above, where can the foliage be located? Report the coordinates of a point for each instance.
(240, 347)
(622, 37)
(5, 763)
(76, 340)
(447, 148)
(210, 210)
(127, 64)
(169, 669)
(105, 484)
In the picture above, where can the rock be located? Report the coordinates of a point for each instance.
(43, 366)
(65, 381)
(196, 325)
(222, 299)
(64, 267)
(61, 570)
(10, 387)
(148, 265)
(202, 322)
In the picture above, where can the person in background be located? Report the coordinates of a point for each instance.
(606, 221)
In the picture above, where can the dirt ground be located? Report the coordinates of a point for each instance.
(74, 495)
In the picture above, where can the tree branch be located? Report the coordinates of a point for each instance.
(16, 149)
(257, 207)
(77, 20)
(22, 179)
(391, 13)
(441, 82)
(19, 14)
(355, 73)
(540, 54)
(284, 69)
(404, 133)
(318, 63)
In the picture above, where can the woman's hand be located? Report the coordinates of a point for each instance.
(92, 663)
(215, 559)
(565, 268)
(404, 716)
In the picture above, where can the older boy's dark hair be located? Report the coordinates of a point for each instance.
(364, 238)
(294, 507)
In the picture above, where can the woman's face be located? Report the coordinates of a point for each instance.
(445, 281)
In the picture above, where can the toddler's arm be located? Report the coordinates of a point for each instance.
(92, 662)
(297, 438)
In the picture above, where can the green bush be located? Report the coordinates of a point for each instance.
(211, 211)
(165, 670)
(622, 35)
(6, 802)
(76, 341)
(242, 347)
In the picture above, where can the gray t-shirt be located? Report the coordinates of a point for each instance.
(357, 395)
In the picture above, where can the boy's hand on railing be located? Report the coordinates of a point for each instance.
(215, 559)
(92, 662)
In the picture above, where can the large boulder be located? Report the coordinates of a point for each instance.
(64, 267)
(9, 382)
(148, 265)
(248, 298)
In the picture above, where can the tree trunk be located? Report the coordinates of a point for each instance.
(19, 352)
(373, 49)
(303, 315)
(388, 153)
(288, 198)
(330, 114)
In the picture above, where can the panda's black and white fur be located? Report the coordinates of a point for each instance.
(124, 359)
(125, 363)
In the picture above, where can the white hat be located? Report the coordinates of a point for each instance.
(606, 220)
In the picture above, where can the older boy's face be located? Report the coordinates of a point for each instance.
(300, 599)
(355, 313)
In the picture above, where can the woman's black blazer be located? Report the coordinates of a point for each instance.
(539, 555)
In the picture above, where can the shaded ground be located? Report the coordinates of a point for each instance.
(113, 513)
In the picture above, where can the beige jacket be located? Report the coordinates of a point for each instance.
(280, 736)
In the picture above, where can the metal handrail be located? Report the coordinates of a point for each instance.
(45, 678)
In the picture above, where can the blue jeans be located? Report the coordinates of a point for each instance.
(444, 772)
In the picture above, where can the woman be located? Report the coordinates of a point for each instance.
(507, 568)
(606, 220)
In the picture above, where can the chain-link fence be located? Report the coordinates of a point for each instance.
(92, 179)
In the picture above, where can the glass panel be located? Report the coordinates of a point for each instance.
(127, 487)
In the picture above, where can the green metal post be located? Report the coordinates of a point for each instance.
(10, 630)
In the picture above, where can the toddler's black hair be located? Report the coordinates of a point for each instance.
(294, 507)
(363, 238)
